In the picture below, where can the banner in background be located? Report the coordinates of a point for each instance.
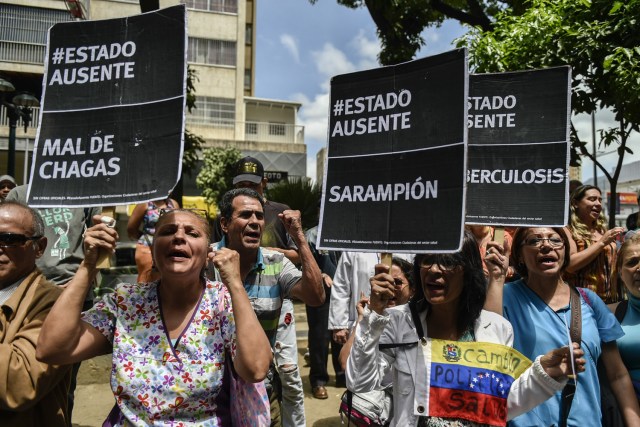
(396, 158)
(112, 118)
(518, 164)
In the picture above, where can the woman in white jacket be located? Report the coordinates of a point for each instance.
(448, 305)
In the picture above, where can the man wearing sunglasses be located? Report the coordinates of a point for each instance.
(31, 393)
(63, 228)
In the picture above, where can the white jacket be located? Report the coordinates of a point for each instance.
(533, 387)
(352, 278)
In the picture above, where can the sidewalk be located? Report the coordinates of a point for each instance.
(94, 399)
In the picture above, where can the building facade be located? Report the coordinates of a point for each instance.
(221, 50)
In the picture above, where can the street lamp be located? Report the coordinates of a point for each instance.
(19, 108)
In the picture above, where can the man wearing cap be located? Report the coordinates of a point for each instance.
(249, 173)
(7, 183)
(32, 394)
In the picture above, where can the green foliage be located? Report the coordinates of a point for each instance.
(216, 175)
(301, 195)
(400, 22)
(599, 39)
(192, 143)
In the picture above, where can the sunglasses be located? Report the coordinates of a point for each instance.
(10, 240)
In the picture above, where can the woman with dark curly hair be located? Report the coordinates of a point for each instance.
(447, 305)
(539, 308)
(593, 246)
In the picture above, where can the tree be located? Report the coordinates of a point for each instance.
(599, 39)
(400, 22)
(299, 194)
(192, 142)
(216, 175)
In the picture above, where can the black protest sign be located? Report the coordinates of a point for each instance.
(394, 180)
(112, 117)
(519, 148)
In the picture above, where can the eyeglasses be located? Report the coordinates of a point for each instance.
(10, 240)
(443, 268)
(536, 242)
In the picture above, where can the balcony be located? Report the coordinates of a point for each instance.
(22, 53)
(31, 129)
(262, 132)
(274, 132)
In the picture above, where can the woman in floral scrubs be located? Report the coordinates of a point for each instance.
(170, 338)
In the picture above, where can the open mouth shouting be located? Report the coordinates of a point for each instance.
(177, 254)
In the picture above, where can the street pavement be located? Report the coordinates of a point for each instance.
(94, 399)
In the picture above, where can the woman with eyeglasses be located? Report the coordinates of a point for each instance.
(627, 272)
(448, 306)
(177, 342)
(593, 246)
(538, 306)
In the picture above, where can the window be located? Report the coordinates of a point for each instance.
(23, 32)
(226, 6)
(277, 129)
(247, 79)
(248, 34)
(213, 52)
(210, 110)
(251, 128)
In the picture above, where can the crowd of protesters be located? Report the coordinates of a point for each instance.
(193, 342)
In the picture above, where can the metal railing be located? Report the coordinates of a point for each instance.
(253, 131)
(22, 52)
(4, 120)
(274, 132)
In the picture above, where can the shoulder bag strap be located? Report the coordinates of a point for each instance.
(575, 330)
(621, 310)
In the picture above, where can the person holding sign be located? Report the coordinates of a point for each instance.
(593, 247)
(545, 311)
(171, 339)
(452, 361)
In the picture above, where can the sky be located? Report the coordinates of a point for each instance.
(300, 46)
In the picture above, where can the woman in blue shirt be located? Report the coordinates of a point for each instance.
(538, 308)
(627, 270)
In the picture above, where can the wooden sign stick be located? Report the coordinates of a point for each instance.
(385, 258)
(498, 235)
(104, 260)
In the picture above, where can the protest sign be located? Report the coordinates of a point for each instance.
(519, 148)
(112, 118)
(396, 158)
(470, 380)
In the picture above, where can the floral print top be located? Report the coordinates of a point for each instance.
(158, 383)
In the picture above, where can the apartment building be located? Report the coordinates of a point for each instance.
(221, 49)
